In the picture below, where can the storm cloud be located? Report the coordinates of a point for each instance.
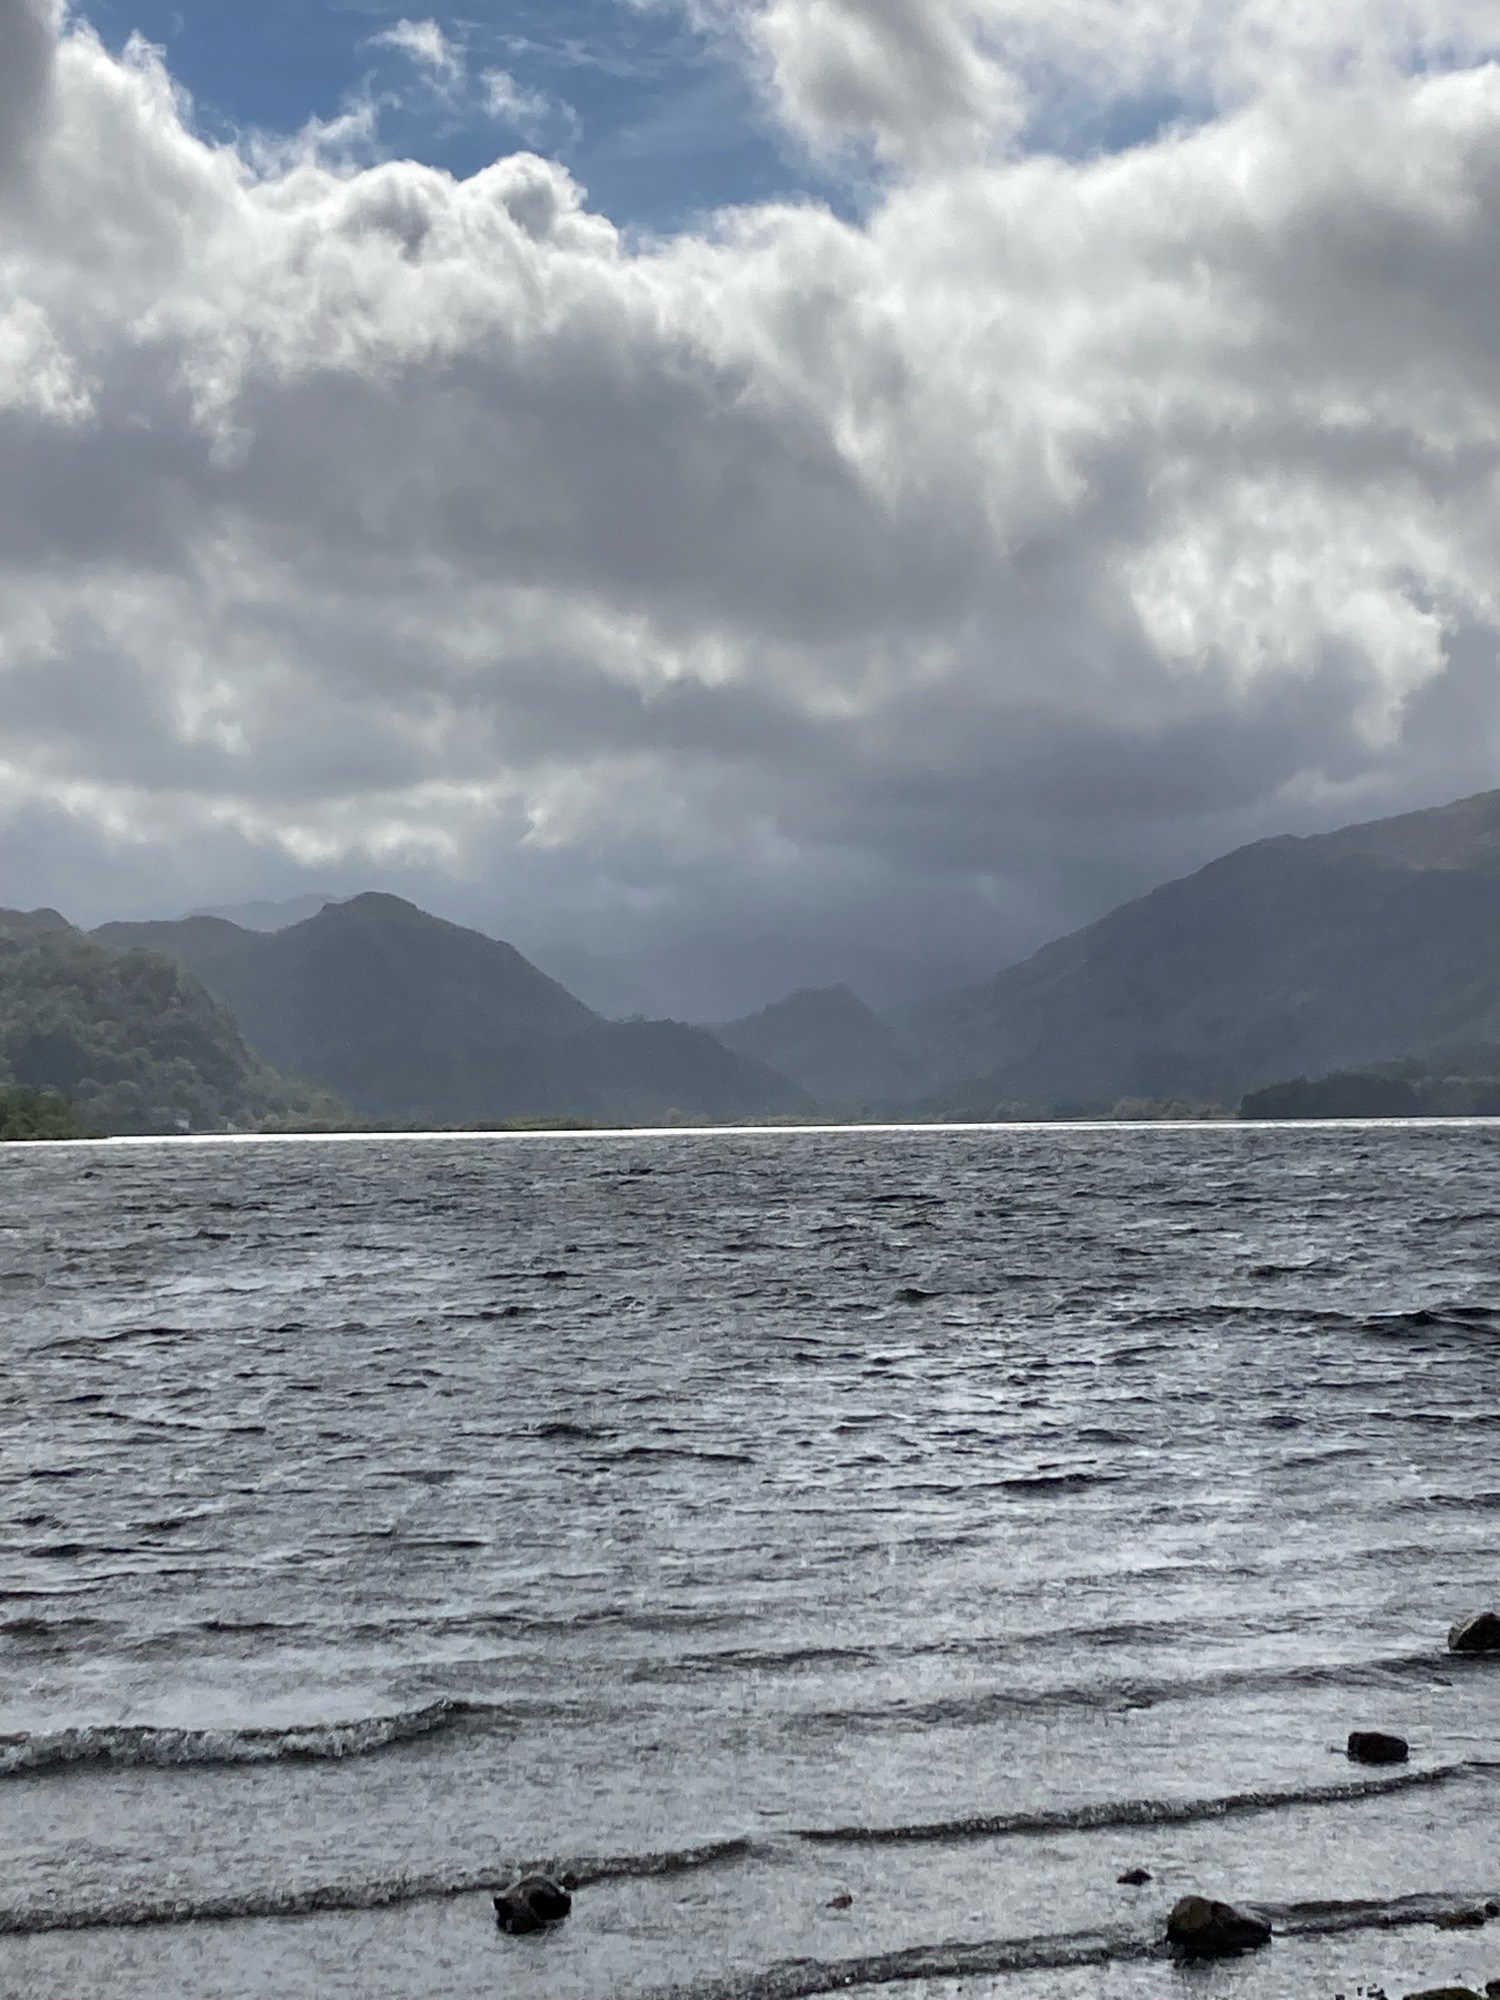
(1062, 520)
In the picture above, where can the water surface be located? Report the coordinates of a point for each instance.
(1003, 1507)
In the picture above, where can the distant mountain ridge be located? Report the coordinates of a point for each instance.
(1329, 957)
(1293, 956)
(413, 1019)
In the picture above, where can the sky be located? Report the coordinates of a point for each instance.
(738, 492)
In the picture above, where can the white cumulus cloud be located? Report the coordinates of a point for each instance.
(919, 81)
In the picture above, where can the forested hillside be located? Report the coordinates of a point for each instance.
(129, 1037)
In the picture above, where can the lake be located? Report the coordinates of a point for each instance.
(850, 1551)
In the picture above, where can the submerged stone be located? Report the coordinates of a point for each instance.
(1201, 1928)
(1135, 1877)
(1375, 1746)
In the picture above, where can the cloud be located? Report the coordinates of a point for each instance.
(947, 572)
(510, 103)
(908, 77)
(919, 81)
(27, 48)
(497, 96)
(427, 46)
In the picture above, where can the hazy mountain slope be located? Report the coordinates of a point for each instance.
(1289, 956)
(828, 1040)
(129, 1036)
(417, 1020)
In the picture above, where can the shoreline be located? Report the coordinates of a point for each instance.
(779, 1130)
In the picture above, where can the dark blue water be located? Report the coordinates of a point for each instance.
(939, 1520)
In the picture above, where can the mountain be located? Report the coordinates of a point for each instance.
(416, 1020)
(826, 1039)
(1291, 956)
(129, 1037)
(33, 923)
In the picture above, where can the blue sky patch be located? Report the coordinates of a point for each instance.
(655, 120)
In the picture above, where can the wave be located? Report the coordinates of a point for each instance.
(990, 1647)
(1056, 1953)
(970, 1711)
(136, 1913)
(51, 1631)
(1057, 1482)
(788, 1981)
(143, 1745)
(382, 1892)
(140, 1744)
(1444, 1316)
(1327, 1918)
(1459, 1502)
(1132, 1812)
(950, 1960)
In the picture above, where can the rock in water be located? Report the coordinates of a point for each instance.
(1374, 1746)
(1477, 1634)
(1203, 1929)
(1445, 1993)
(1471, 1919)
(513, 1913)
(1135, 1877)
(532, 1902)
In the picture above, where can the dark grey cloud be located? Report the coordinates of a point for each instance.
(27, 49)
